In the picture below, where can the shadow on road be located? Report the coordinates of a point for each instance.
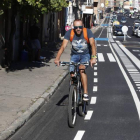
(63, 101)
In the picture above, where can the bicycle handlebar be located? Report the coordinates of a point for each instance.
(73, 63)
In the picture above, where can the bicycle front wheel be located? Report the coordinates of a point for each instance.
(72, 111)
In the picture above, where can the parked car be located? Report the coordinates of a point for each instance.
(138, 16)
(123, 20)
(117, 30)
(138, 32)
(135, 26)
(135, 9)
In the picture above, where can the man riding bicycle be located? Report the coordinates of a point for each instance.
(80, 51)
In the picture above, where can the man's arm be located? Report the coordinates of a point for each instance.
(93, 51)
(63, 46)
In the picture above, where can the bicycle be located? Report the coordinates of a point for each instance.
(76, 103)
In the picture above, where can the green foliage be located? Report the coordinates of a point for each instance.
(33, 7)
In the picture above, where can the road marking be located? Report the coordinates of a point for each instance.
(79, 135)
(137, 84)
(114, 37)
(98, 44)
(133, 92)
(136, 50)
(131, 56)
(138, 87)
(95, 64)
(132, 69)
(128, 36)
(100, 57)
(93, 100)
(95, 80)
(105, 45)
(102, 39)
(88, 115)
(95, 88)
(95, 73)
(95, 68)
(111, 57)
(133, 72)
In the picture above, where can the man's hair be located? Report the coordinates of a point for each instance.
(77, 20)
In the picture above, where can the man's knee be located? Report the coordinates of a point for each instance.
(82, 67)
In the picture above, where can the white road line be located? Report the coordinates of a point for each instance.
(105, 45)
(132, 69)
(95, 80)
(79, 135)
(111, 57)
(138, 87)
(133, 92)
(88, 115)
(131, 56)
(101, 33)
(137, 84)
(95, 68)
(98, 44)
(100, 57)
(133, 72)
(128, 36)
(95, 73)
(136, 50)
(93, 100)
(95, 64)
(114, 37)
(95, 88)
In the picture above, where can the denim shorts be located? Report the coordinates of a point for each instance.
(83, 58)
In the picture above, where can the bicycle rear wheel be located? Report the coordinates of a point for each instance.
(72, 111)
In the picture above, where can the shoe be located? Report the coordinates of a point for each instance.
(85, 97)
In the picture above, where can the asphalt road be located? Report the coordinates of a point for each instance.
(114, 104)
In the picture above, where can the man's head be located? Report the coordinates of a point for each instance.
(78, 26)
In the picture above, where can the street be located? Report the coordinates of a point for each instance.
(113, 112)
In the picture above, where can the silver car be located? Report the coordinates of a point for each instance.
(138, 32)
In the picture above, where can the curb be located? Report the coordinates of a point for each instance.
(33, 109)
(37, 105)
(96, 28)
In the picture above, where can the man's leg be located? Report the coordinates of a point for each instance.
(83, 78)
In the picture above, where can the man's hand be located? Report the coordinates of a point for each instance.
(57, 62)
(92, 62)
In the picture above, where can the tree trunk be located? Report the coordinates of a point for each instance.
(12, 31)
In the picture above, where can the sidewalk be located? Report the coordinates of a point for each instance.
(27, 86)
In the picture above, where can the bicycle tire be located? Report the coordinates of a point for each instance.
(72, 107)
(81, 105)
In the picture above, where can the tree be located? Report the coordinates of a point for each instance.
(28, 8)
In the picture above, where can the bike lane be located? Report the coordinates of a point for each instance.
(112, 111)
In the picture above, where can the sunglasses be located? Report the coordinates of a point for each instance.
(76, 27)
